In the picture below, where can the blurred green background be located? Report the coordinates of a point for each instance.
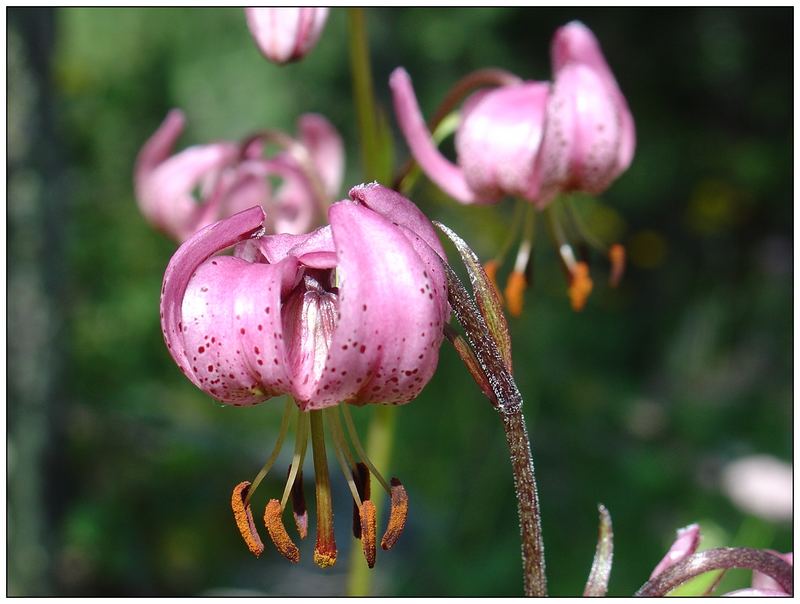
(120, 471)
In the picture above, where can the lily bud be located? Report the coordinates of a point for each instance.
(286, 34)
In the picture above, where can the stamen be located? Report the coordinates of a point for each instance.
(491, 268)
(515, 292)
(275, 451)
(339, 448)
(517, 280)
(616, 255)
(351, 430)
(361, 478)
(325, 547)
(277, 532)
(368, 523)
(300, 444)
(244, 519)
(580, 286)
(397, 515)
(299, 509)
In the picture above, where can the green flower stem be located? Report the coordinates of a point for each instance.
(363, 94)
(379, 450)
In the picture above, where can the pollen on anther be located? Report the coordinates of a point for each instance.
(397, 515)
(244, 519)
(368, 531)
(277, 532)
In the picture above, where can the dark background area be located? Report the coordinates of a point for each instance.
(119, 470)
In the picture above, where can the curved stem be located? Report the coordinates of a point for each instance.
(715, 559)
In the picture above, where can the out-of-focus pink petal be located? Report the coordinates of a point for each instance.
(183, 264)
(499, 138)
(295, 205)
(750, 592)
(326, 148)
(686, 543)
(575, 43)
(582, 136)
(766, 583)
(439, 169)
(386, 342)
(165, 196)
(159, 146)
(286, 34)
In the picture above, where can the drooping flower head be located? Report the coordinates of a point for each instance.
(534, 141)
(353, 312)
(179, 193)
(286, 34)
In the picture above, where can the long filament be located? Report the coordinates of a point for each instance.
(578, 225)
(528, 232)
(275, 451)
(339, 447)
(300, 444)
(351, 429)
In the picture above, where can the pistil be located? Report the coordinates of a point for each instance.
(325, 548)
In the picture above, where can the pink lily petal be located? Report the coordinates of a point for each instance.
(286, 34)
(764, 582)
(415, 226)
(575, 43)
(750, 592)
(326, 148)
(686, 544)
(159, 146)
(295, 204)
(499, 138)
(204, 244)
(386, 341)
(581, 136)
(277, 247)
(439, 169)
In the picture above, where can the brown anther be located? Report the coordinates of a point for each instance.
(397, 515)
(277, 532)
(368, 531)
(244, 519)
(616, 255)
(491, 268)
(361, 478)
(580, 286)
(515, 291)
(299, 510)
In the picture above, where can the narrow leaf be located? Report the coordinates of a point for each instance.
(597, 584)
(486, 295)
(474, 368)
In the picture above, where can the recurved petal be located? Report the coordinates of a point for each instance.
(386, 342)
(499, 139)
(326, 148)
(233, 331)
(182, 266)
(686, 543)
(439, 169)
(159, 146)
(166, 195)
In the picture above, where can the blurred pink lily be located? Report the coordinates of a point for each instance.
(686, 544)
(353, 312)
(533, 140)
(183, 192)
(286, 34)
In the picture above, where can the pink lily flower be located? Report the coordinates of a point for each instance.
(183, 192)
(286, 34)
(353, 312)
(531, 139)
(686, 543)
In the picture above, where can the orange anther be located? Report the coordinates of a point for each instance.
(490, 268)
(277, 532)
(616, 255)
(580, 286)
(368, 531)
(397, 515)
(244, 519)
(515, 291)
